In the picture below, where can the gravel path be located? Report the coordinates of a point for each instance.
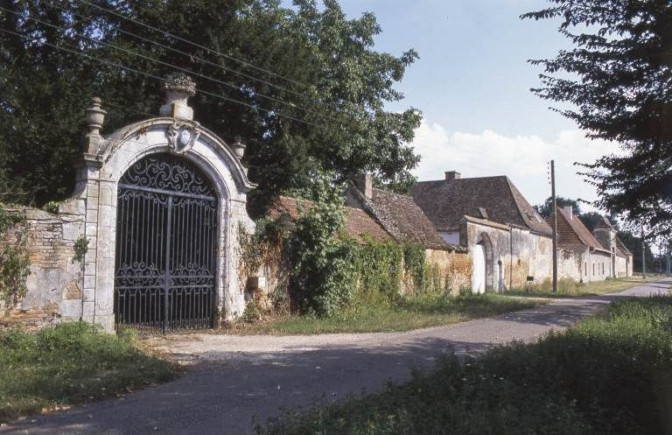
(236, 378)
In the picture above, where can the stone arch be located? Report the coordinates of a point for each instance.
(97, 189)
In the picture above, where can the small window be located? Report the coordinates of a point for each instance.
(593, 268)
(585, 268)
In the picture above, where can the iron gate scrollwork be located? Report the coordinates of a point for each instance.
(166, 245)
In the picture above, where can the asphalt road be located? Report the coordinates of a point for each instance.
(237, 380)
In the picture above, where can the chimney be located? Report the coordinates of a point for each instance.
(569, 211)
(452, 175)
(177, 88)
(364, 184)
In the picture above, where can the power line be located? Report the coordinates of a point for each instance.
(151, 59)
(116, 65)
(109, 11)
(193, 56)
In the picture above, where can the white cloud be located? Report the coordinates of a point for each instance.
(523, 158)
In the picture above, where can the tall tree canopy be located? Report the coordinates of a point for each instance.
(546, 209)
(618, 79)
(308, 62)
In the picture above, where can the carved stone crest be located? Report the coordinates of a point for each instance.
(181, 137)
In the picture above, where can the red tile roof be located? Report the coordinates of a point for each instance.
(359, 225)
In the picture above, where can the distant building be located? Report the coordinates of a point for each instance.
(586, 256)
(508, 241)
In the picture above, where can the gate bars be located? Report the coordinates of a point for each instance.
(166, 246)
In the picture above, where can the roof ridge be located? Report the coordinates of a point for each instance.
(578, 221)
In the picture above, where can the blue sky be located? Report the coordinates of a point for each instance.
(472, 83)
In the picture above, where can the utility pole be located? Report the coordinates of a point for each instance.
(643, 255)
(555, 229)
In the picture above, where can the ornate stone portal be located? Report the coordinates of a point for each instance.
(104, 162)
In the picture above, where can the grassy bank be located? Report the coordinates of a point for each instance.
(570, 288)
(612, 374)
(406, 314)
(69, 364)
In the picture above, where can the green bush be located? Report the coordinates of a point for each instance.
(612, 374)
(71, 363)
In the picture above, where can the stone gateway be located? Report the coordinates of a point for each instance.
(159, 203)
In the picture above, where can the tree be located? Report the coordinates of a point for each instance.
(546, 209)
(592, 218)
(634, 245)
(307, 63)
(618, 81)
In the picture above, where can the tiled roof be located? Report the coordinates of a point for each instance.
(573, 234)
(402, 218)
(446, 202)
(358, 223)
(621, 249)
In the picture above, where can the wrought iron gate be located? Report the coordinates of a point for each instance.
(166, 246)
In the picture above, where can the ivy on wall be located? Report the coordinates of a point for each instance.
(328, 270)
(14, 261)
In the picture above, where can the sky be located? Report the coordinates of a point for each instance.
(472, 84)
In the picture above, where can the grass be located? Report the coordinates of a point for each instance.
(69, 364)
(408, 313)
(570, 288)
(612, 374)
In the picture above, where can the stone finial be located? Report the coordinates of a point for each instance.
(177, 88)
(238, 147)
(95, 118)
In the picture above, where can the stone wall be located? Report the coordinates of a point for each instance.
(519, 252)
(55, 281)
(570, 264)
(454, 267)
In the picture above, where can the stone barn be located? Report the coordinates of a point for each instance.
(158, 203)
(509, 243)
(585, 256)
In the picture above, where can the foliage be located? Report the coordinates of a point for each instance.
(591, 219)
(81, 248)
(322, 277)
(379, 271)
(618, 80)
(69, 364)
(609, 375)
(251, 313)
(407, 312)
(51, 207)
(332, 78)
(14, 261)
(546, 209)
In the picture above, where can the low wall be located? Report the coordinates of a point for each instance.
(454, 268)
(54, 286)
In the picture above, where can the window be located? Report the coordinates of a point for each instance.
(585, 268)
(593, 268)
(602, 268)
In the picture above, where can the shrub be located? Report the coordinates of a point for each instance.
(71, 363)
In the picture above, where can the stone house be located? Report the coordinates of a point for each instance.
(585, 256)
(509, 243)
(401, 217)
(158, 203)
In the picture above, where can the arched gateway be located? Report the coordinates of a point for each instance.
(162, 199)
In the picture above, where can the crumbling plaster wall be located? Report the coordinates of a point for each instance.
(454, 267)
(522, 254)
